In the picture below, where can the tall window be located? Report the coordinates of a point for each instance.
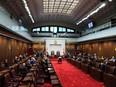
(53, 29)
(70, 30)
(44, 28)
(62, 29)
(38, 29)
(34, 30)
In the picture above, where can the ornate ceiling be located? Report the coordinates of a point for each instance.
(58, 13)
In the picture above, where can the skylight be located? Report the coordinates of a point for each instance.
(59, 6)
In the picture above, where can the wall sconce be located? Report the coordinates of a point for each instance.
(115, 49)
(100, 48)
(9, 48)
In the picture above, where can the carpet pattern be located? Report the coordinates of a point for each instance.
(70, 76)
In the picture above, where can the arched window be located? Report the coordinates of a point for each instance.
(53, 29)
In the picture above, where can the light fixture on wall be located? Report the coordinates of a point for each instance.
(115, 49)
(99, 48)
(9, 47)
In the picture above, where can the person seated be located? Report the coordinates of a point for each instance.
(89, 62)
(42, 65)
(15, 61)
(28, 65)
(95, 56)
(74, 57)
(32, 60)
(23, 69)
(79, 55)
(112, 59)
(6, 63)
(59, 59)
(79, 59)
(102, 66)
(3, 66)
(106, 61)
(20, 57)
(45, 59)
(90, 56)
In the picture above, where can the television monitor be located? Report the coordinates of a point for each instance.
(90, 25)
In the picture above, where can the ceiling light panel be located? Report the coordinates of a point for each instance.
(28, 10)
(59, 6)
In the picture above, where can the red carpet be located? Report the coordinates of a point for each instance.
(70, 76)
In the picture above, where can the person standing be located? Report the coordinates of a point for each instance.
(59, 59)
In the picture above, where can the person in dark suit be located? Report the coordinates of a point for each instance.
(59, 59)
(15, 61)
(23, 69)
(102, 66)
(6, 63)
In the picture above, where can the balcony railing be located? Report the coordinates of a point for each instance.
(97, 29)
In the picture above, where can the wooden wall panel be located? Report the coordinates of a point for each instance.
(39, 46)
(9, 48)
(114, 48)
(70, 48)
(4, 48)
(1, 47)
(107, 49)
(95, 47)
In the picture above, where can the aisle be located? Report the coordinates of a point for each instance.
(70, 76)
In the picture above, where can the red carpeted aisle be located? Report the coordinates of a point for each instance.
(70, 76)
